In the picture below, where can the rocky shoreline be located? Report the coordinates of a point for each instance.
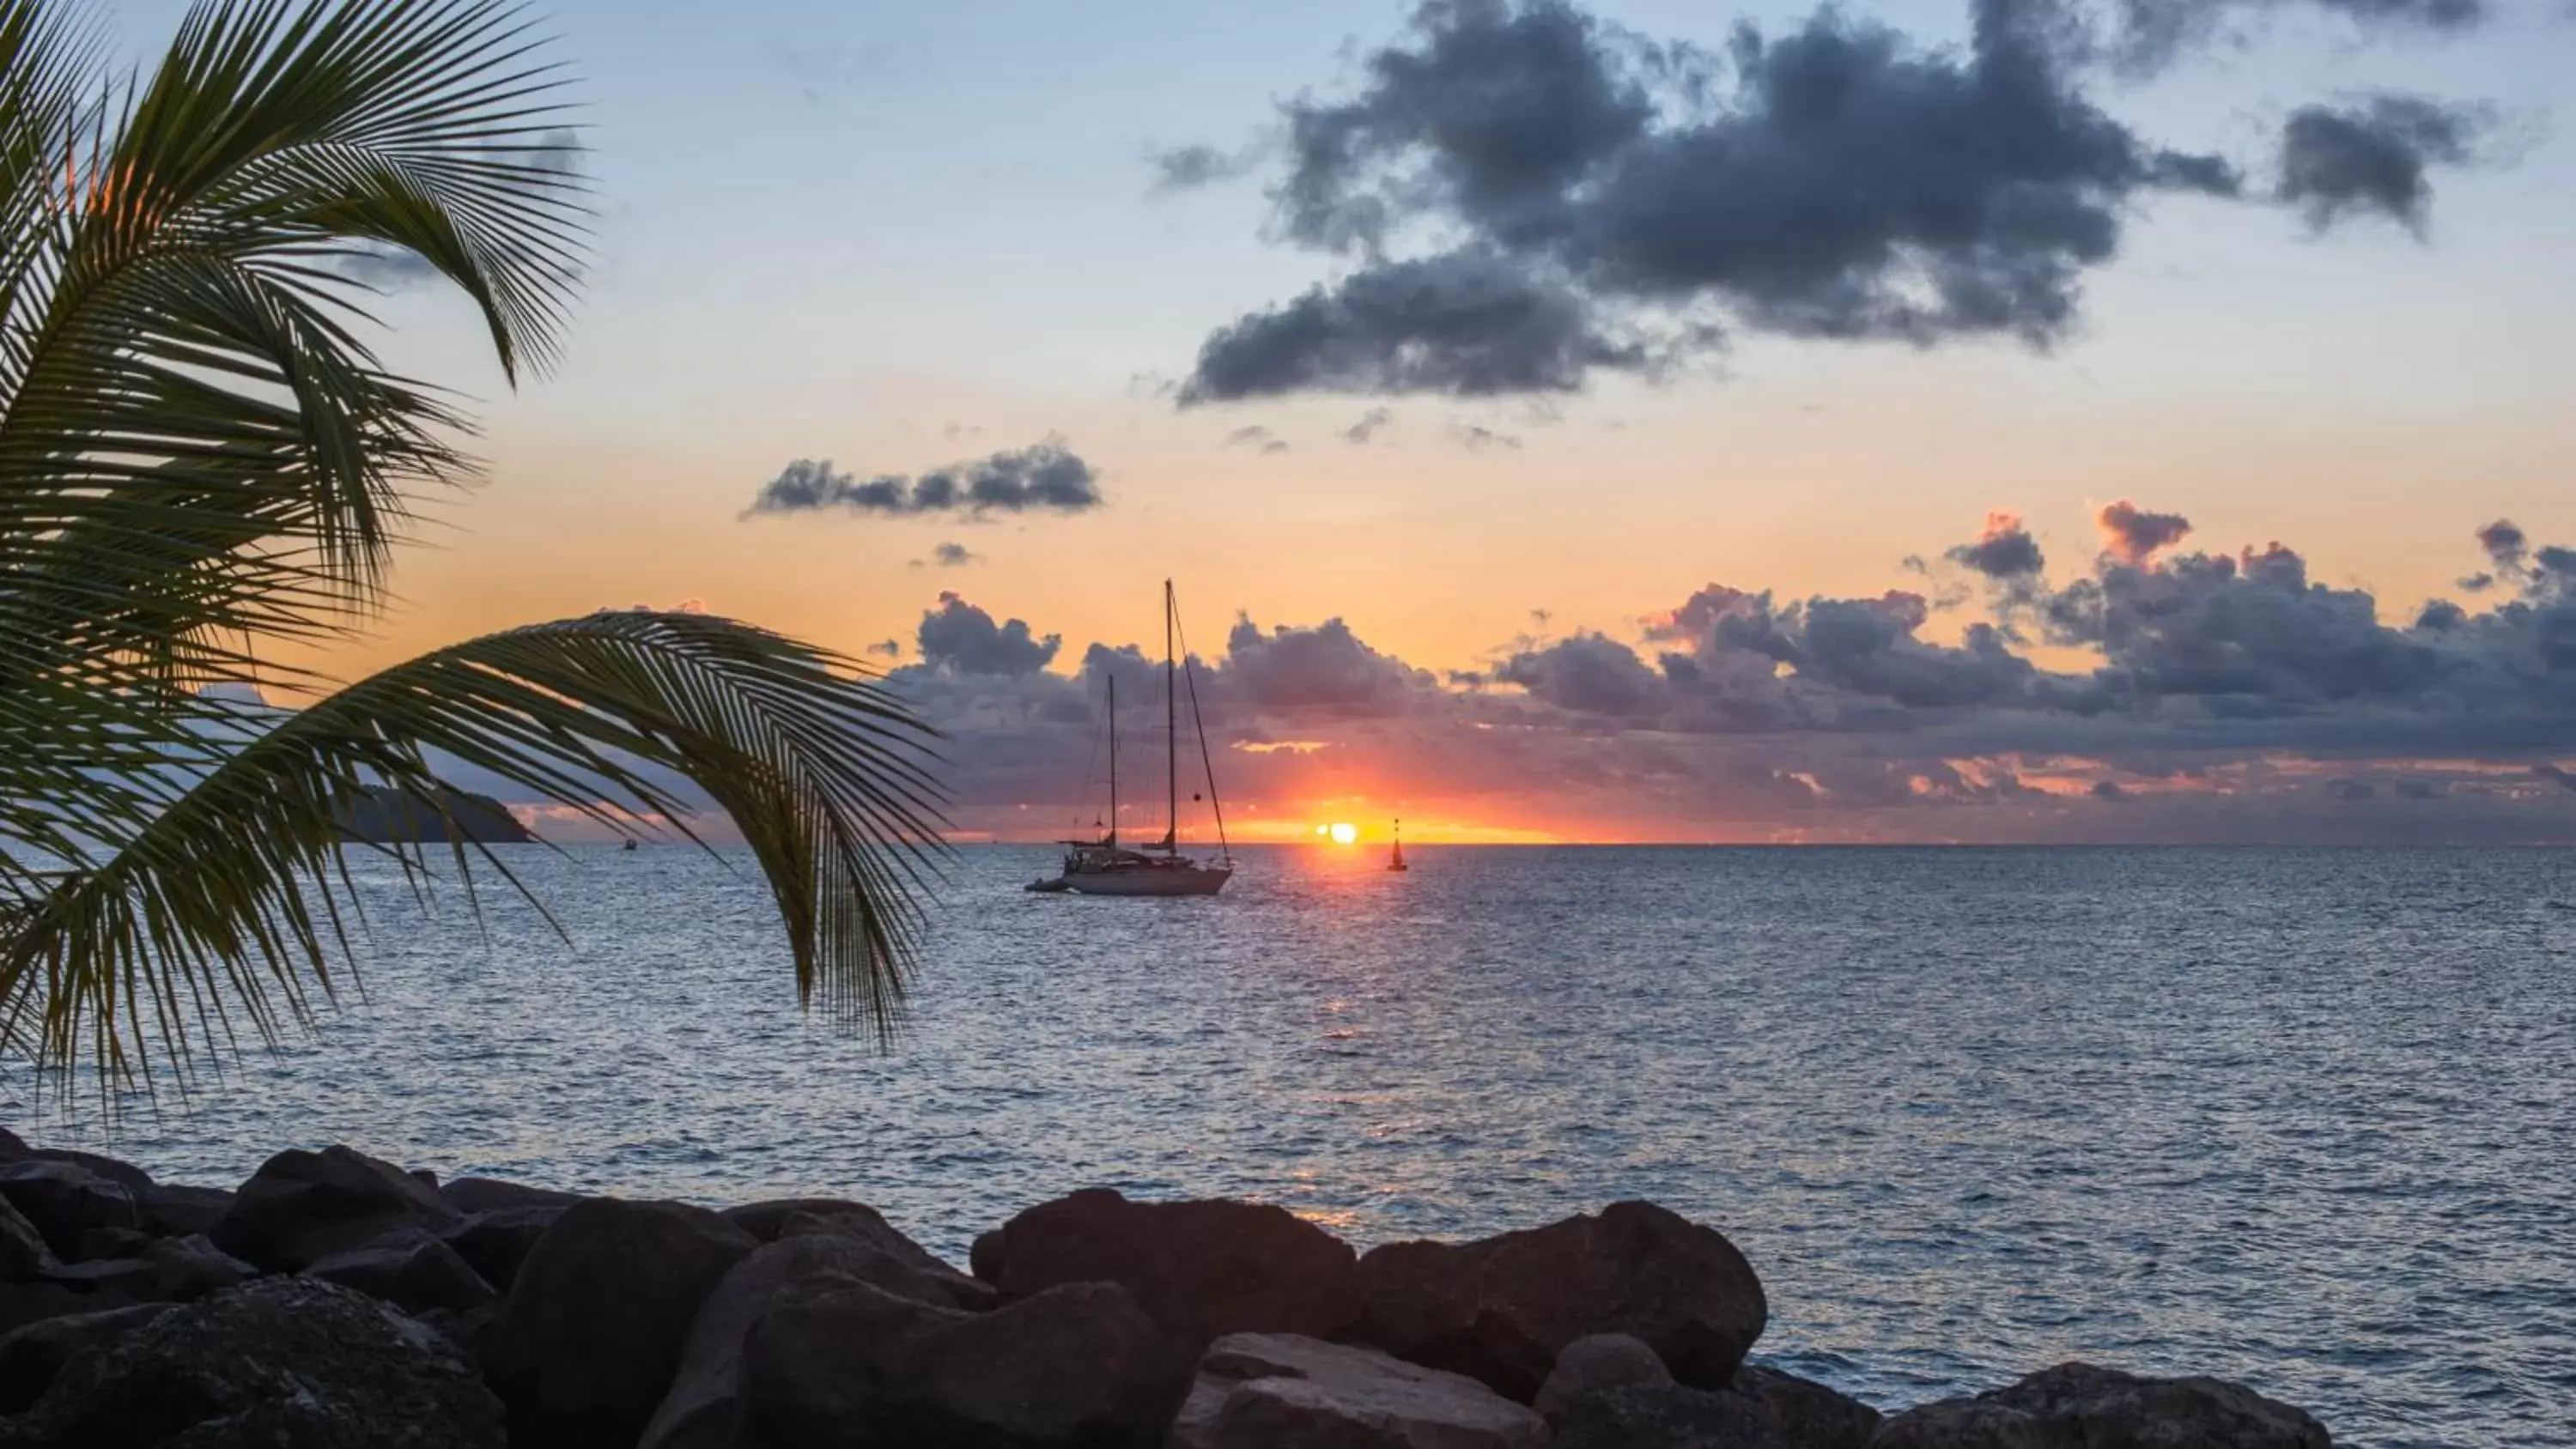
(335, 1301)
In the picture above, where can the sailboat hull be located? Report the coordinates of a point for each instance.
(1185, 881)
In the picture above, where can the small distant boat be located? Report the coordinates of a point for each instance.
(630, 844)
(1395, 860)
(1103, 867)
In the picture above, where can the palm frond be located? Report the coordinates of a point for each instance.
(190, 424)
(224, 904)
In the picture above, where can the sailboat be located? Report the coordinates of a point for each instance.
(1103, 867)
(1395, 861)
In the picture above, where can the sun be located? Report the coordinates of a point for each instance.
(1343, 832)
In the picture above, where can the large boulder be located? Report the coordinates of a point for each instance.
(2080, 1406)
(700, 1411)
(1595, 1364)
(32, 1356)
(1807, 1414)
(491, 1194)
(63, 1200)
(1076, 1367)
(1500, 1309)
(593, 1328)
(169, 1210)
(410, 1270)
(889, 1260)
(280, 1362)
(124, 1174)
(495, 1243)
(301, 1207)
(1258, 1390)
(1201, 1270)
(34, 1302)
(765, 1218)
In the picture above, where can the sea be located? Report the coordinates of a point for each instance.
(2304, 1119)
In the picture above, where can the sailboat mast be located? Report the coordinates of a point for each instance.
(1171, 732)
(1113, 759)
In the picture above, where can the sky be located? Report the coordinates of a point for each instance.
(1603, 421)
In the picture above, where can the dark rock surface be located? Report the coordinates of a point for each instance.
(23, 1254)
(124, 1174)
(2080, 1406)
(304, 1206)
(1665, 1416)
(1075, 1367)
(702, 1408)
(32, 1356)
(490, 1194)
(408, 1269)
(1501, 1308)
(172, 1211)
(495, 1243)
(1201, 1270)
(281, 1362)
(1260, 1390)
(889, 1260)
(1807, 1414)
(1596, 1363)
(592, 1331)
(33, 1302)
(63, 1200)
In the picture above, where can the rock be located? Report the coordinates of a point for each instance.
(1665, 1416)
(2080, 1406)
(495, 1243)
(62, 1200)
(30, 1357)
(113, 1243)
(1079, 1365)
(1592, 1364)
(170, 1211)
(491, 1194)
(592, 1332)
(23, 1254)
(1201, 1270)
(131, 1280)
(763, 1219)
(410, 1270)
(25, 1303)
(126, 1175)
(281, 1362)
(470, 1329)
(1256, 1390)
(304, 1206)
(13, 1148)
(1500, 1309)
(1806, 1414)
(700, 1410)
(192, 1267)
(895, 1263)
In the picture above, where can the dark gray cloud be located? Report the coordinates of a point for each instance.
(959, 638)
(1468, 323)
(2345, 788)
(2004, 551)
(2133, 535)
(1187, 168)
(2147, 35)
(1477, 438)
(886, 649)
(2504, 543)
(1835, 181)
(1047, 477)
(2371, 158)
(2109, 790)
(1325, 668)
(954, 556)
(1369, 425)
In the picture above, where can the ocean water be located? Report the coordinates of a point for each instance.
(2301, 1118)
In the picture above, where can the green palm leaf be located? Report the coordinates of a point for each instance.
(201, 457)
